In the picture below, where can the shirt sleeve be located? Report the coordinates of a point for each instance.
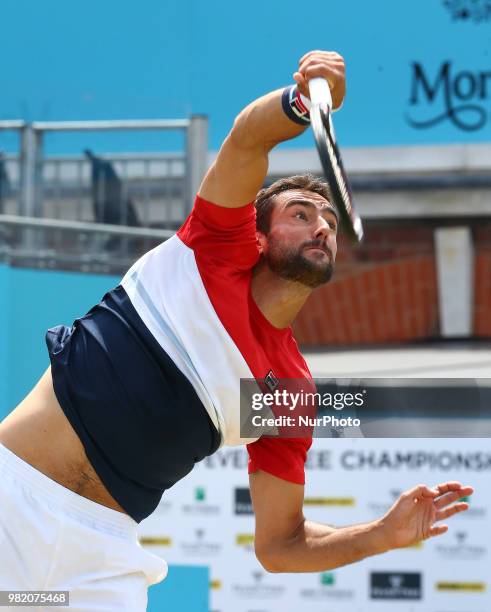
(227, 234)
(281, 457)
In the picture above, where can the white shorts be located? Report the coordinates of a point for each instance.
(53, 539)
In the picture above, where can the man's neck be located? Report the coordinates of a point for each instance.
(278, 299)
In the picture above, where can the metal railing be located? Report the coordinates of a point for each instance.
(95, 212)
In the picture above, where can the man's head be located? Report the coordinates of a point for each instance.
(296, 228)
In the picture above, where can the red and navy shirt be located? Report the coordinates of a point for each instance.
(200, 280)
(176, 335)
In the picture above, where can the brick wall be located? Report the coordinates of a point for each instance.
(386, 290)
(482, 281)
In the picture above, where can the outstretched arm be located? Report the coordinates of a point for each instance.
(286, 542)
(242, 162)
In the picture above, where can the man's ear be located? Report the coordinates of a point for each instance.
(261, 241)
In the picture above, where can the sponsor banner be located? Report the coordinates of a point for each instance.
(460, 545)
(329, 501)
(199, 505)
(258, 586)
(330, 587)
(243, 502)
(200, 543)
(209, 520)
(395, 585)
(156, 540)
(245, 541)
(469, 460)
(473, 587)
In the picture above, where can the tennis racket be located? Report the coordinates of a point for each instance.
(330, 157)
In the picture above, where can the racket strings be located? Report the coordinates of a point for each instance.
(335, 174)
(341, 184)
(338, 169)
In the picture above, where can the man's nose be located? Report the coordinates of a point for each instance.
(323, 229)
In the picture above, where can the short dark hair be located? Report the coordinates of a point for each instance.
(265, 198)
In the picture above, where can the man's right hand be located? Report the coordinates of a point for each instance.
(326, 64)
(242, 162)
(413, 516)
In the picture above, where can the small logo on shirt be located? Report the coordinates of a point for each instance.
(271, 381)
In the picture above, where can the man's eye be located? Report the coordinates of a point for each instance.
(301, 215)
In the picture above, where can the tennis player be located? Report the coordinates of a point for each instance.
(146, 384)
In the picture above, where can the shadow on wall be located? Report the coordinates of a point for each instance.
(110, 203)
(4, 181)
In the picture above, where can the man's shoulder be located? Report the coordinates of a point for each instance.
(227, 235)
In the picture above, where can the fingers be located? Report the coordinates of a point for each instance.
(326, 64)
(450, 492)
(437, 530)
(420, 491)
(448, 498)
(454, 485)
(451, 510)
(316, 54)
(444, 493)
(308, 55)
(333, 73)
(299, 78)
(302, 83)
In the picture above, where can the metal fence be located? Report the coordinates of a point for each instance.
(95, 212)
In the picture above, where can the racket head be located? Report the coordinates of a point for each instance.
(332, 165)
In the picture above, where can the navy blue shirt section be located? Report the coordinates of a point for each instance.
(140, 420)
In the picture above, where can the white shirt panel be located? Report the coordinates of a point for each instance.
(167, 291)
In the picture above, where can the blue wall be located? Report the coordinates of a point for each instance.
(31, 301)
(4, 337)
(117, 59)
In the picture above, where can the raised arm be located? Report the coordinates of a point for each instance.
(241, 166)
(286, 542)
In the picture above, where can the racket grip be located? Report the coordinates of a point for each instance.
(320, 92)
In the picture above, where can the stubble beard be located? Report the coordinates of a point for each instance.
(289, 263)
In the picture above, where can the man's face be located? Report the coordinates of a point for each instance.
(301, 244)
